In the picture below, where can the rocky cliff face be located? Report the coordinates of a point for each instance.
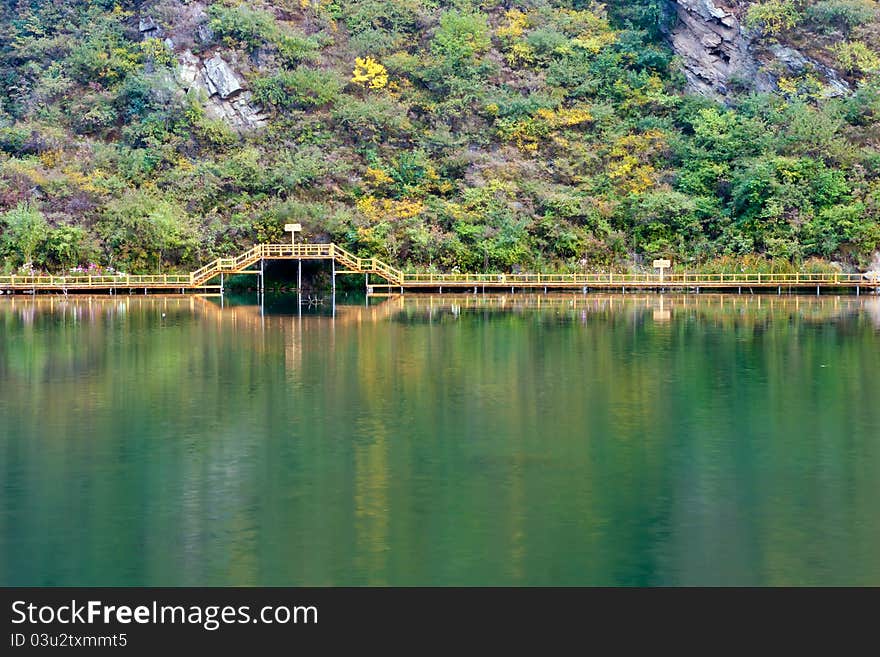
(713, 46)
(207, 73)
(221, 88)
(718, 53)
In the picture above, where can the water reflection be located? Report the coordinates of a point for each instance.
(440, 439)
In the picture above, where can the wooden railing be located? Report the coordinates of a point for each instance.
(103, 282)
(394, 277)
(643, 279)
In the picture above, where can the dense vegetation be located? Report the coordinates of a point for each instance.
(452, 134)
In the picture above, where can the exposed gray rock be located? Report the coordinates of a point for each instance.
(221, 77)
(715, 50)
(189, 69)
(713, 46)
(147, 24)
(713, 11)
(793, 60)
(149, 28)
(236, 108)
(798, 63)
(205, 33)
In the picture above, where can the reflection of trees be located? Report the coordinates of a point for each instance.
(516, 439)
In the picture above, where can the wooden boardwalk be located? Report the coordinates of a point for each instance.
(210, 278)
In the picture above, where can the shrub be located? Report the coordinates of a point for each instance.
(297, 168)
(459, 38)
(67, 246)
(215, 132)
(303, 87)
(369, 73)
(545, 42)
(842, 15)
(21, 140)
(242, 25)
(93, 113)
(773, 16)
(254, 28)
(103, 57)
(158, 53)
(397, 16)
(856, 57)
(371, 120)
(297, 49)
(379, 26)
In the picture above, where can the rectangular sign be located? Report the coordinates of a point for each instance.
(292, 228)
(662, 264)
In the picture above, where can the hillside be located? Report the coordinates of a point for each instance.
(537, 135)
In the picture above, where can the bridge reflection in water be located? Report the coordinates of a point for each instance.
(440, 439)
(286, 315)
(662, 307)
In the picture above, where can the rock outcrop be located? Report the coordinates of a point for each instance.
(713, 47)
(148, 28)
(224, 94)
(220, 78)
(208, 74)
(718, 53)
(797, 63)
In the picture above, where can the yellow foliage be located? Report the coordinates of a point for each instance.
(184, 164)
(157, 51)
(369, 73)
(317, 5)
(96, 182)
(527, 133)
(517, 22)
(565, 117)
(560, 141)
(50, 158)
(630, 176)
(378, 177)
(630, 161)
(386, 209)
(650, 91)
(29, 167)
(520, 53)
(787, 86)
(807, 86)
(594, 43)
(856, 57)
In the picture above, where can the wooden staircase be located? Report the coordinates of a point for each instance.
(350, 262)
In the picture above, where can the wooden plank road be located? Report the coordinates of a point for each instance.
(210, 278)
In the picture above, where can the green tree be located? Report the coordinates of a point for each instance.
(24, 233)
(141, 230)
(67, 246)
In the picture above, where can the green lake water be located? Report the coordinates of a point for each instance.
(558, 440)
